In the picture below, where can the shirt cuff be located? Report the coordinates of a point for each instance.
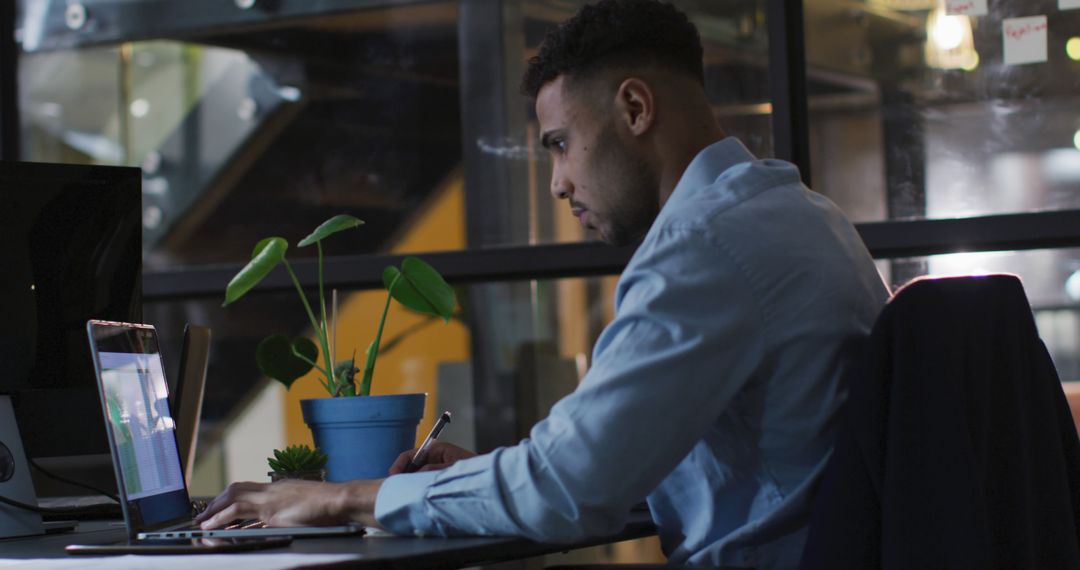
(400, 506)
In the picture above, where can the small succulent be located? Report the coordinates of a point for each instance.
(296, 458)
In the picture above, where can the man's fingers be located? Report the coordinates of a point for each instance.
(228, 497)
(439, 456)
(434, 466)
(402, 460)
(219, 502)
(225, 516)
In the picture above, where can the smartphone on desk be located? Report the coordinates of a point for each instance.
(181, 546)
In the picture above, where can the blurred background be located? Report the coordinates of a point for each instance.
(252, 118)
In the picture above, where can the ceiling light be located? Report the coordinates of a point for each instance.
(950, 43)
(1072, 286)
(1072, 48)
(139, 108)
(948, 32)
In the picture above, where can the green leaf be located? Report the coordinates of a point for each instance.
(296, 458)
(267, 255)
(275, 357)
(330, 227)
(420, 288)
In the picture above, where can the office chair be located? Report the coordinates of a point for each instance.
(956, 448)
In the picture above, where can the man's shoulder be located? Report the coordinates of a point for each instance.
(735, 200)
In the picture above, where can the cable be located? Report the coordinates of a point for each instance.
(70, 482)
(42, 510)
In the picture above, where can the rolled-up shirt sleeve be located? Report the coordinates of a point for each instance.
(686, 338)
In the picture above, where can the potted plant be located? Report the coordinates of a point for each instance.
(297, 462)
(361, 434)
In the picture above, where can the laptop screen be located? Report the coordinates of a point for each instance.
(140, 425)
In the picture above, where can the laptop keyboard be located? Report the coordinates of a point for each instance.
(199, 505)
(234, 525)
(250, 523)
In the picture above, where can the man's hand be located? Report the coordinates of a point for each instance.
(293, 503)
(440, 456)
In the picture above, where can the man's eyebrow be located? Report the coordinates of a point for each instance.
(545, 139)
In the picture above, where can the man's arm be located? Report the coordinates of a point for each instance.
(686, 339)
(298, 503)
(687, 336)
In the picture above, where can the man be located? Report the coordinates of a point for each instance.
(713, 392)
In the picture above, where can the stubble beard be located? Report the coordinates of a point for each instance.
(635, 189)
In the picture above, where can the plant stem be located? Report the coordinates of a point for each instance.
(307, 306)
(373, 351)
(314, 365)
(327, 357)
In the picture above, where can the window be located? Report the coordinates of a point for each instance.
(266, 120)
(916, 112)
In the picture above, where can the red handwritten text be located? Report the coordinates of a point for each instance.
(961, 7)
(1019, 32)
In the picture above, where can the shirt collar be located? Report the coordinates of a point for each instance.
(712, 161)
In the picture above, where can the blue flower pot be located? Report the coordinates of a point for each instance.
(363, 435)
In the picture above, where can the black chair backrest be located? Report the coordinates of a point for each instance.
(956, 447)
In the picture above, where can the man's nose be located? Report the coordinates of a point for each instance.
(561, 188)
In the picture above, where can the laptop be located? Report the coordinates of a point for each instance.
(142, 439)
(185, 401)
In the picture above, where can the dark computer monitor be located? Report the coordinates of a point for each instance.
(70, 250)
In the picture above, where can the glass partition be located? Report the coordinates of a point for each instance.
(249, 124)
(264, 122)
(941, 109)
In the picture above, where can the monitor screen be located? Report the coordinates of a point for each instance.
(72, 251)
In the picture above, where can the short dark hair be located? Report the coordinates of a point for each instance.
(616, 33)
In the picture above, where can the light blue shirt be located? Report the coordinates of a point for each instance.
(714, 391)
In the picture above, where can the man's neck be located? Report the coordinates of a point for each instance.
(701, 135)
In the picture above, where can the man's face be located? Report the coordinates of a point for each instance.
(609, 186)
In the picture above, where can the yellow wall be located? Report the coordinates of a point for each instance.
(412, 366)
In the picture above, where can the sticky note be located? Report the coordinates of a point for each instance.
(1068, 4)
(971, 7)
(1025, 40)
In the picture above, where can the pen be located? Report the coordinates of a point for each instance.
(421, 454)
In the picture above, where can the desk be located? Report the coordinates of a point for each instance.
(375, 552)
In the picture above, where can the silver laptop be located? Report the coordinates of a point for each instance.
(142, 439)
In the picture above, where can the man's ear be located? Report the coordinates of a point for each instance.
(635, 105)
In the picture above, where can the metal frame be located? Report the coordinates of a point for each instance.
(787, 82)
(110, 22)
(915, 238)
(885, 240)
(9, 83)
(489, 68)
(365, 272)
